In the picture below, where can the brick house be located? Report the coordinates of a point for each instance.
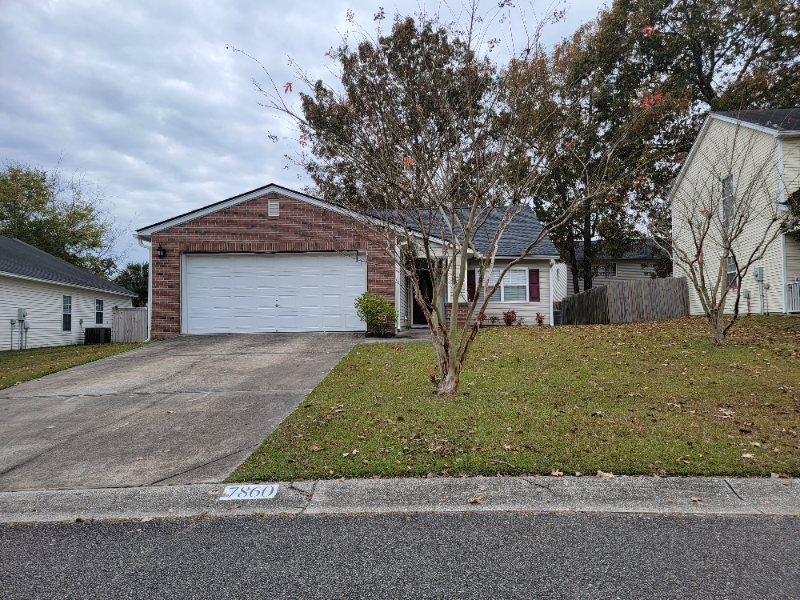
(274, 259)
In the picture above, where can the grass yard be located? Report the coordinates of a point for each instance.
(24, 365)
(629, 399)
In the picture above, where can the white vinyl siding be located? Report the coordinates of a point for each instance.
(761, 149)
(791, 164)
(792, 259)
(45, 304)
(525, 309)
(560, 279)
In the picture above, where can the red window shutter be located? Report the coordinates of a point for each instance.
(470, 284)
(533, 285)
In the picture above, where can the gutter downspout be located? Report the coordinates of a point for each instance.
(149, 286)
(550, 276)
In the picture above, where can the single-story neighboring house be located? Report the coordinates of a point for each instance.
(634, 264)
(275, 259)
(60, 299)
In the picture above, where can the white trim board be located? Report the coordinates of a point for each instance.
(68, 285)
(146, 232)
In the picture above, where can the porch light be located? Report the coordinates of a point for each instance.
(160, 251)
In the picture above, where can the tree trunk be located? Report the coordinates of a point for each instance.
(573, 260)
(449, 377)
(587, 251)
(717, 322)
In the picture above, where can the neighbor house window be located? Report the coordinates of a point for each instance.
(513, 288)
(733, 272)
(274, 208)
(66, 313)
(98, 312)
(728, 203)
(609, 270)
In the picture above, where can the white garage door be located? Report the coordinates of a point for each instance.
(249, 293)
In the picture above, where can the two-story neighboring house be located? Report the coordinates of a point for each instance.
(730, 191)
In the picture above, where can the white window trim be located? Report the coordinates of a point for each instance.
(605, 270)
(66, 313)
(733, 197)
(102, 312)
(501, 289)
(728, 271)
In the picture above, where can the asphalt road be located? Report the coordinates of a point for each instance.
(460, 555)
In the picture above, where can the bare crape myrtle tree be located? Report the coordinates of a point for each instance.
(725, 217)
(437, 144)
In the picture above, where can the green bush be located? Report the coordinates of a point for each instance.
(379, 314)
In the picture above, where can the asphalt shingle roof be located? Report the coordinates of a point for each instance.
(646, 250)
(522, 230)
(19, 258)
(779, 119)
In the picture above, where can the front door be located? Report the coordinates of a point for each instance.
(426, 287)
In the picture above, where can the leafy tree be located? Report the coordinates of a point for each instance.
(698, 56)
(603, 166)
(63, 217)
(136, 278)
(438, 145)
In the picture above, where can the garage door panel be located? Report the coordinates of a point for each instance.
(239, 292)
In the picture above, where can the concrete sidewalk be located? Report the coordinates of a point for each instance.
(670, 495)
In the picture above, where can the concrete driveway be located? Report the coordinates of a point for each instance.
(185, 410)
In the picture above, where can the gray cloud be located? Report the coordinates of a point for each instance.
(144, 97)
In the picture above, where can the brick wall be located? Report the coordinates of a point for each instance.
(245, 227)
(463, 309)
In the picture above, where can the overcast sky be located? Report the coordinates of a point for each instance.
(145, 99)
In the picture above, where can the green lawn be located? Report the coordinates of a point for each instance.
(630, 399)
(24, 365)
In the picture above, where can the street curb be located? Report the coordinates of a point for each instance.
(657, 495)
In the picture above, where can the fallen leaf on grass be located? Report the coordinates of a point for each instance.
(698, 501)
(557, 473)
(146, 519)
(747, 455)
(315, 448)
(475, 501)
(605, 475)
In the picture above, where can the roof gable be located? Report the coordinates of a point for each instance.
(18, 259)
(145, 232)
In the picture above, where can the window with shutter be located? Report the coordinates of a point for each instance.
(513, 288)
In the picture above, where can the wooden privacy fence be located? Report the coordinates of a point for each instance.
(129, 325)
(628, 302)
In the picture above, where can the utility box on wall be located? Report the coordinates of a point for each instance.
(97, 335)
